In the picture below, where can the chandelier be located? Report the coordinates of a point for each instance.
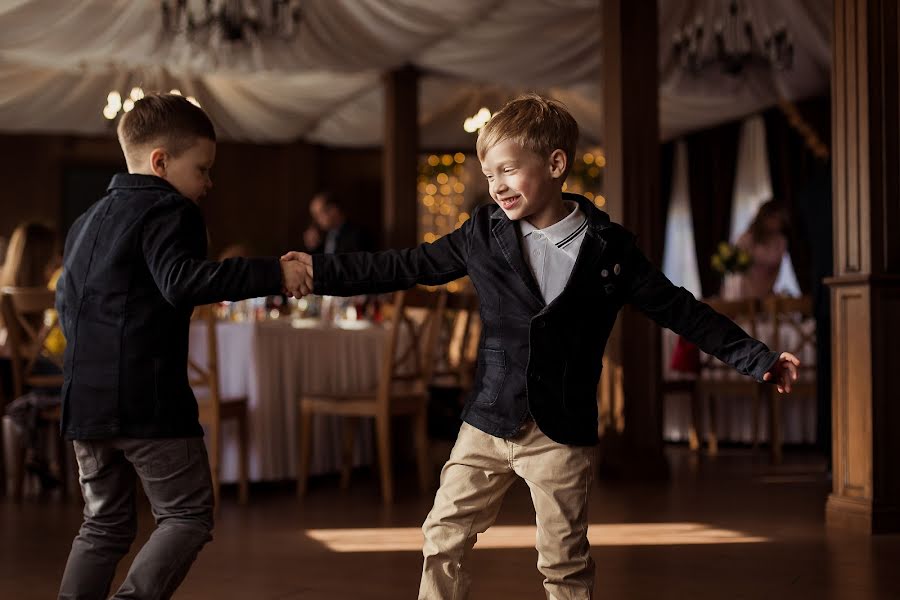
(736, 44)
(232, 20)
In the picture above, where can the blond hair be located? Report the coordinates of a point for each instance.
(32, 250)
(538, 124)
(167, 120)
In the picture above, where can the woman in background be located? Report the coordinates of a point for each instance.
(33, 260)
(766, 242)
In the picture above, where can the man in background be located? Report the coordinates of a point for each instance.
(331, 231)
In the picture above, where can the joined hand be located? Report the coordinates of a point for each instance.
(297, 274)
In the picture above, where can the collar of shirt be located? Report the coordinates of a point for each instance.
(563, 232)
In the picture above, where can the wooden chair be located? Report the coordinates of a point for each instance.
(718, 379)
(215, 410)
(401, 390)
(791, 320)
(457, 343)
(28, 324)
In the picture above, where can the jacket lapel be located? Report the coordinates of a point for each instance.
(592, 250)
(507, 237)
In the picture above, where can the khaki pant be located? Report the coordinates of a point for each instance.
(473, 482)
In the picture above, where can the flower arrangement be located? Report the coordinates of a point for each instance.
(730, 259)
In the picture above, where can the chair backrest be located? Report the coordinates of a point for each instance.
(28, 323)
(457, 343)
(414, 319)
(745, 312)
(207, 376)
(794, 328)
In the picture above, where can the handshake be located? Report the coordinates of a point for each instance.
(297, 274)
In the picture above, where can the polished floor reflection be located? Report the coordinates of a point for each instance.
(728, 528)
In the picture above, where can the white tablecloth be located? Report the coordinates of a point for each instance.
(272, 363)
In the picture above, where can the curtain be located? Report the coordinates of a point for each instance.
(711, 168)
(793, 168)
(679, 255)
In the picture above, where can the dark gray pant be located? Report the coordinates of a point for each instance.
(175, 476)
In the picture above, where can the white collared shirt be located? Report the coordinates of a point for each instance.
(551, 252)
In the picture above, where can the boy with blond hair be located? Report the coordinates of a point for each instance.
(551, 272)
(134, 268)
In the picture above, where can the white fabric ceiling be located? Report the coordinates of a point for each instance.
(58, 61)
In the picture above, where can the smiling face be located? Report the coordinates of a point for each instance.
(524, 184)
(189, 172)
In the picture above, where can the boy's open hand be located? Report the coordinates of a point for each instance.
(297, 273)
(783, 372)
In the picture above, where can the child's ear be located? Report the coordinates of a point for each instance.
(558, 162)
(158, 160)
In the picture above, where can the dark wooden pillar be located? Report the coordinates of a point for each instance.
(401, 148)
(633, 446)
(865, 291)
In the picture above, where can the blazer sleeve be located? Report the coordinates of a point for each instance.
(676, 308)
(356, 273)
(174, 246)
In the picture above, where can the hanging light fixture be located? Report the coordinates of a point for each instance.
(736, 44)
(232, 20)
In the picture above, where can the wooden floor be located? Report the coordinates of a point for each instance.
(729, 528)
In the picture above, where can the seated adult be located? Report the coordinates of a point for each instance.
(33, 260)
(332, 232)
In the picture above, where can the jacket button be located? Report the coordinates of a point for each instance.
(536, 376)
(540, 323)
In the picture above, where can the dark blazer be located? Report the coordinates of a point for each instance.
(135, 266)
(537, 358)
(350, 238)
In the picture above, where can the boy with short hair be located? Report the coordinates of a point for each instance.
(135, 267)
(551, 272)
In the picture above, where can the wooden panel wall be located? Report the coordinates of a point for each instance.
(866, 286)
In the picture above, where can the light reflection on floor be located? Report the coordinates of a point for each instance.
(401, 539)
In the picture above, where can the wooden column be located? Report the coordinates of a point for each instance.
(632, 442)
(865, 291)
(401, 148)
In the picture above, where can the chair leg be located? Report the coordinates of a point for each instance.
(383, 435)
(14, 457)
(244, 450)
(422, 456)
(696, 428)
(712, 435)
(304, 448)
(756, 408)
(214, 470)
(775, 425)
(349, 426)
(59, 446)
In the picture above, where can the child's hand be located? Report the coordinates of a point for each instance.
(784, 371)
(297, 273)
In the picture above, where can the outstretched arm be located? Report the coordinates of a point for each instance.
(677, 309)
(357, 273)
(174, 247)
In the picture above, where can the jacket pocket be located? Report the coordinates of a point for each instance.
(490, 375)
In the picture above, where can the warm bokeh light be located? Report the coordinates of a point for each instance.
(409, 539)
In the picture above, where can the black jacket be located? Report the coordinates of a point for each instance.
(538, 358)
(135, 266)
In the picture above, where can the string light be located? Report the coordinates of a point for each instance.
(114, 103)
(478, 120)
